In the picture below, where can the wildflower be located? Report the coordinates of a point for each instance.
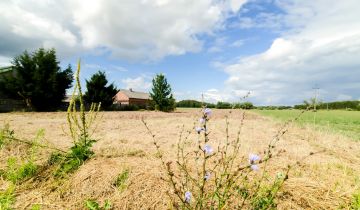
(252, 160)
(199, 129)
(208, 149)
(207, 176)
(202, 120)
(187, 197)
(207, 112)
(254, 167)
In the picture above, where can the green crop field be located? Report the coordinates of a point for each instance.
(340, 121)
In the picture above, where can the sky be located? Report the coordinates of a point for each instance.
(280, 51)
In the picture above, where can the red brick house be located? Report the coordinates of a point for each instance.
(130, 97)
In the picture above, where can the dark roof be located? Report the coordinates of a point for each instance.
(5, 69)
(134, 94)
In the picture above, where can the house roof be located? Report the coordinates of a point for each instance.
(133, 94)
(5, 69)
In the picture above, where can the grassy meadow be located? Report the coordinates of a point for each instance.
(337, 121)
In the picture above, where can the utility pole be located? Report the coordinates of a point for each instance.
(316, 92)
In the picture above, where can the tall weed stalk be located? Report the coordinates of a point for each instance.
(80, 130)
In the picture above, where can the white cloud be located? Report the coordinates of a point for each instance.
(132, 30)
(238, 43)
(218, 45)
(141, 83)
(236, 4)
(5, 61)
(321, 48)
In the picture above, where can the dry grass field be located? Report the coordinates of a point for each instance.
(324, 180)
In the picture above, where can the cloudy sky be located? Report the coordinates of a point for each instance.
(279, 50)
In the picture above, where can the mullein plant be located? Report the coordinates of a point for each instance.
(208, 176)
(80, 130)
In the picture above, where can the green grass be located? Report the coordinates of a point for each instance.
(339, 121)
(7, 198)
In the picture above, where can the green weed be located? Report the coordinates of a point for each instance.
(36, 207)
(7, 198)
(120, 181)
(355, 203)
(5, 135)
(94, 205)
(16, 172)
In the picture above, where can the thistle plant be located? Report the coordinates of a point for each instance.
(210, 175)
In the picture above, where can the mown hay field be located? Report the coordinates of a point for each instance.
(327, 179)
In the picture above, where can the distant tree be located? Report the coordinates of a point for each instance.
(223, 105)
(244, 105)
(38, 80)
(98, 90)
(161, 94)
(194, 104)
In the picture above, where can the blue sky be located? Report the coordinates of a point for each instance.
(276, 49)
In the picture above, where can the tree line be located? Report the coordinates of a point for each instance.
(41, 83)
(218, 105)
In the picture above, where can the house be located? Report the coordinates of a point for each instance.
(7, 104)
(130, 97)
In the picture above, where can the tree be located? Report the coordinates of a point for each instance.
(98, 90)
(161, 94)
(38, 80)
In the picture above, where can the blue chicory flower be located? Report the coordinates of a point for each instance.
(202, 120)
(207, 176)
(208, 149)
(199, 129)
(207, 112)
(254, 167)
(187, 197)
(252, 160)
